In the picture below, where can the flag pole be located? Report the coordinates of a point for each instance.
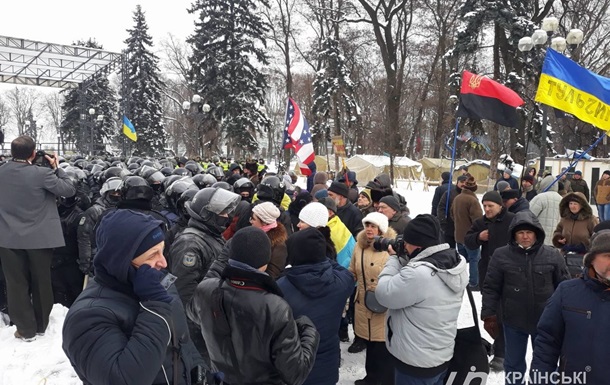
(455, 135)
(575, 162)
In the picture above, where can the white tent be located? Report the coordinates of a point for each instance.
(367, 167)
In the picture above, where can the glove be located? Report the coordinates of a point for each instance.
(146, 283)
(491, 326)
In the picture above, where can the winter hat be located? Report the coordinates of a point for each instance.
(320, 178)
(462, 178)
(471, 184)
(306, 246)
(153, 238)
(366, 193)
(377, 219)
(251, 246)
(578, 173)
(314, 214)
(323, 193)
(509, 194)
(392, 202)
(604, 225)
(445, 176)
(329, 203)
(529, 178)
(424, 230)
(492, 196)
(301, 200)
(339, 188)
(600, 243)
(503, 185)
(377, 194)
(266, 212)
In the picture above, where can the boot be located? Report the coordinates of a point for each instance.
(497, 364)
(358, 346)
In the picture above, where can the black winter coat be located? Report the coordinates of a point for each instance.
(111, 338)
(86, 233)
(438, 194)
(68, 254)
(319, 291)
(249, 329)
(521, 204)
(571, 331)
(351, 218)
(498, 234)
(522, 280)
(444, 215)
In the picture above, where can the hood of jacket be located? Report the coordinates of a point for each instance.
(364, 243)
(526, 217)
(449, 266)
(314, 280)
(546, 182)
(564, 206)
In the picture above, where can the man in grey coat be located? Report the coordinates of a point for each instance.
(29, 230)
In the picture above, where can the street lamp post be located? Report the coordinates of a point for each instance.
(91, 113)
(540, 37)
(196, 109)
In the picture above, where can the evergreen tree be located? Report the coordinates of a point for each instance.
(333, 92)
(141, 92)
(95, 93)
(227, 54)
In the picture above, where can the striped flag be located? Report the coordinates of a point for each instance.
(298, 136)
(129, 130)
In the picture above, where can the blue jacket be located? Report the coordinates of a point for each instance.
(320, 291)
(572, 330)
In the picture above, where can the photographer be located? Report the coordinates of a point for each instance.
(423, 297)
(29, 230)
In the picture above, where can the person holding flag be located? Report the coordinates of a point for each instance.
(297, 136)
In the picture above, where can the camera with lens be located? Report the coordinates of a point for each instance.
(398, 244)
(41, 160)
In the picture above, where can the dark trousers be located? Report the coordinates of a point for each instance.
(499, 345)
(28, 287)
(67, 281)
(516, 348)
(379, 363)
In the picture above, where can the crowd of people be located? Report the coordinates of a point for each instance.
(183, 271)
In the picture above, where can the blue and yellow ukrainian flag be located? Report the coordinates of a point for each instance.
(571, 88)
(129, 130)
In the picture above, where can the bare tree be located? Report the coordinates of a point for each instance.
(22, 103)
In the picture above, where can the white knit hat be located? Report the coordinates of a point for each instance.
(266, 212)
(377, 219)
(315, 214)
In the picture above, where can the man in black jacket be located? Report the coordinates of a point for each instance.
(440, 190)
(346, 211)
(128, 326)
(248, 327)
(521, 277)
(443, 210)
(513, 202)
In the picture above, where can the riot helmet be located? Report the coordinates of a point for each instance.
(204, 180)
(167, 171)
(223, 185)
(213, 206)
(115, 172)
(216, 172)
(271, 188)
(136, 187)
(111, 189)
(175, 190)
(244, 187)
(181, 172)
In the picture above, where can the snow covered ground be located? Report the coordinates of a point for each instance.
(44, 362)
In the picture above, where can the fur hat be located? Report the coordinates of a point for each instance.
(509, 194)
(600, 243)
(329, 203)
(315, 214)
(392, 202)
(266, 212)
(306, 246)
(492, 196)
(471, 184)
(251, 246)
(377, 219)
(339, 189)
(424, 230)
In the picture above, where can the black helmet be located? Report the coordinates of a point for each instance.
(216, 172)
(148, 163)
(210, 206)
(242, 185)
(133, 167)
(181, 172)
(95, 168)
(234, 166)
(112, 184)
(115, 172)
(193, 167)
(152, 175)
(186, 196)
(204, 180)
(136, 187)
(167, 171)
(271, 188)
(182, 160)
(223, 185)
(171, 179)
(175, 190)
(81, 163)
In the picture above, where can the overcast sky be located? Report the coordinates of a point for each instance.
(65, 21)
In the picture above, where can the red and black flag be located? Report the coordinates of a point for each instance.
(483, 98)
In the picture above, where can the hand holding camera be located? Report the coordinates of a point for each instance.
(45, 159)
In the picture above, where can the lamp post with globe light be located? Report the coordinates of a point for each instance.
(540, 38)
(197, 110)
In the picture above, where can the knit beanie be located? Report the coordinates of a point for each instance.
(339, 188)
(502, 185)
(266, 212)
(251, 246)
(323, 193)
(492, 196)
(471, 184)
(377, 219)
(329, 203)
(153, 238)
(424, 230)
(314, 214)
(392, 202)
(509, 194)
(600, 243)
(530, 179)
(366, 193)
(306, 246)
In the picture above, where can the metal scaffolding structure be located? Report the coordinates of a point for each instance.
(34, 63)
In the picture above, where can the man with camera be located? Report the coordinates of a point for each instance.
(29, 230)
(422, 324)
